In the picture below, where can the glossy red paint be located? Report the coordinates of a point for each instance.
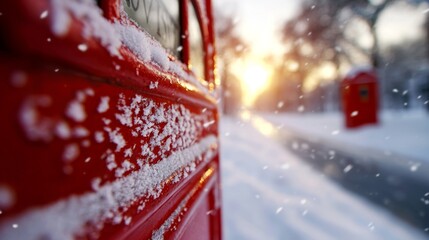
(61, 144)
(360, 99)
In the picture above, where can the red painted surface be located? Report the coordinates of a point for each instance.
(41, 79)
(360, 99)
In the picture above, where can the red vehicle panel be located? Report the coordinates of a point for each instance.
(104, 133)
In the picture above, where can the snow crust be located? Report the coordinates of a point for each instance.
(76, 111)
(68, 218)
(169, 147)
(104, 105)
(149, 50)
(62, 130)
(114, 35)
(95, 25)
(353, 72)
(99, 136)
(35, 126)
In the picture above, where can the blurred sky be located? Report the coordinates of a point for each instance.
(259, 21)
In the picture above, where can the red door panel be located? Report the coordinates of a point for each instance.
(98, 143)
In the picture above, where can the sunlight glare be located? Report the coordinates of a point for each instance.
(263, 126)
(254, 79)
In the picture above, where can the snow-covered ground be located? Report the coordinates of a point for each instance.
(399, 133)
(268, 193)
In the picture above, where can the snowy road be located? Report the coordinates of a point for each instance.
(391, 183)
(387, 163)
(268, 193)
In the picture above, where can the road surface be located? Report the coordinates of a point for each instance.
(394, 182)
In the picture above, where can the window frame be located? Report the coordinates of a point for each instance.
(204, 35)
(112, 11)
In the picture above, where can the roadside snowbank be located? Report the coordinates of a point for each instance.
(404, 133)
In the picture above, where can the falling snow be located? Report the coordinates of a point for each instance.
(82, 47)
(348, 168)
(307, 207)
(44, 14)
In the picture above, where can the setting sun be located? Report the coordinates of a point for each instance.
(254, 78)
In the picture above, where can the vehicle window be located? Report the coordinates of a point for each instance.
(196, 43)
(160, 18)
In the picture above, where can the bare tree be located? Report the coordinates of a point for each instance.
(230, 47)
(321, 33)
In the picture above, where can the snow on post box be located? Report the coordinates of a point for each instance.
(106, 130)
(360, 97)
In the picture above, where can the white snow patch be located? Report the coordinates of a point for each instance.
(110, 161)
(95, 184)
(99, 136)
(358, 69)
(150, 51)
(153, 85)
(113, 35)
(71, 152)
(128, 153)
(80, 132)
(76, 111)
(127, 220)
(62, 130)
(106, 121)
(135, 40)
(94, 23)
(144, 117)
(104, 105)
(116, 138)
(36, 127)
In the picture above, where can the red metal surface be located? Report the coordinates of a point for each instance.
(360, 99)
(42, 79)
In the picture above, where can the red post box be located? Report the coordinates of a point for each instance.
(360, 97)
